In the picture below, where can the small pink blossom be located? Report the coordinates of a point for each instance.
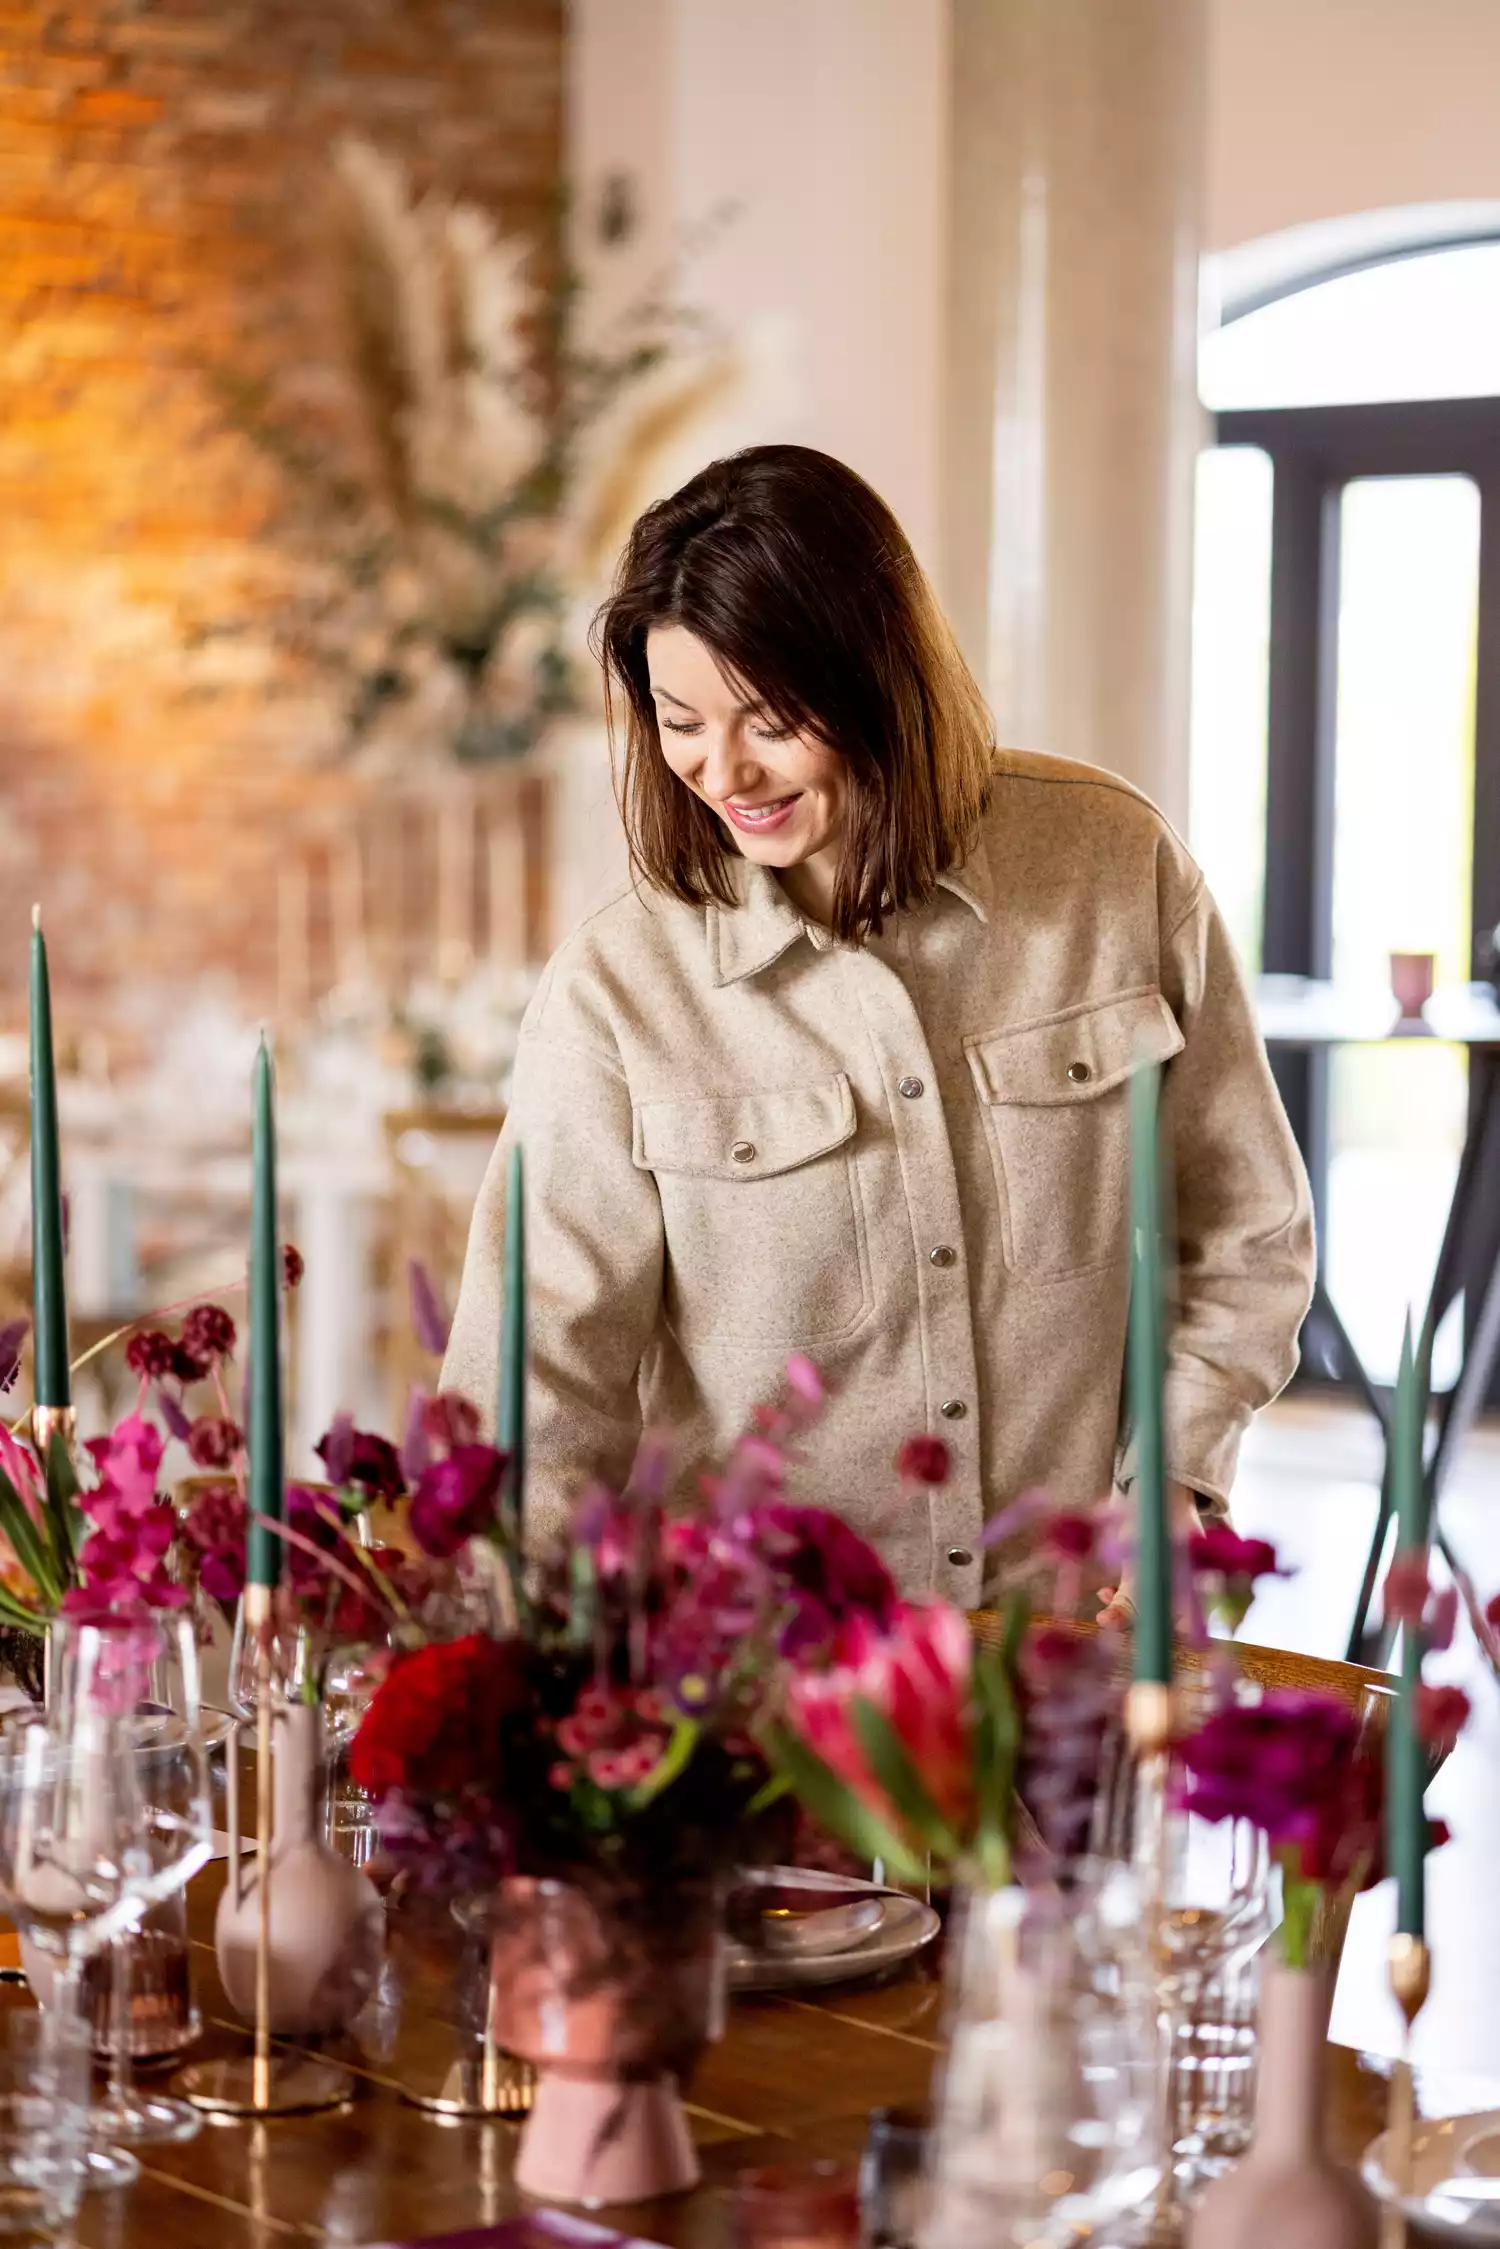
(1407, 1586)
(561, 1775)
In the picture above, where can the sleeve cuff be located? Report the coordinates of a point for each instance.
(1204, 1426)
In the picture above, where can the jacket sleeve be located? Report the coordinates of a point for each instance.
(1244, 1213)
(594, 1255)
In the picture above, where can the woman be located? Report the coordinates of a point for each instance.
(844, 1071)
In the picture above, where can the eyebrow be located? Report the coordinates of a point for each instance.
(665, 695)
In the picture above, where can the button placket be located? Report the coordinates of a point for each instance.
(930, 1187)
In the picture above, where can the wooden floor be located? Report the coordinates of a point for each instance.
(1308, 1481)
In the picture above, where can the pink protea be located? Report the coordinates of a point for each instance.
(918, 1675)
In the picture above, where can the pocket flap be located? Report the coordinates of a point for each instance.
(740, 1136)
(1076, 1055)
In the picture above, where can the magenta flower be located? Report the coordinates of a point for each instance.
(823, 1571)
(12, 1342)
(449, 1420)
(1279, 1763)
(122, 1562)
(1218, 1551)
(1071, 1537)
(456, 1498)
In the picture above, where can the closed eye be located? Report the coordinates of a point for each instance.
(682, 725)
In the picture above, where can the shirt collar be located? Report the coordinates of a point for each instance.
(763, 923)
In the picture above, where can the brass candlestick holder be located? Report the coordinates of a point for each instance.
(263, 2084)
(1411, 1980)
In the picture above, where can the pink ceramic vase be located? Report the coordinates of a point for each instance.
(614, 2011)
(1287, 2191)
(327, 1923)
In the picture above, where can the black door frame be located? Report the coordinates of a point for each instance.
(1314, 452)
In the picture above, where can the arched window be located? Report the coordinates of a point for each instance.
(1346, 692)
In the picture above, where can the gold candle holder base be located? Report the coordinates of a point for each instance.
(48, 1422)
(292, 2086)
(497, 2084)
(1410, 1964)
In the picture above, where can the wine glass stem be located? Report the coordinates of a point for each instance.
(119, 2060)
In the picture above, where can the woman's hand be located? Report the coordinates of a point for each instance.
(1117, 1608)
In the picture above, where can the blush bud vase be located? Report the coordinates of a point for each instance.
(327, 1923)
(1287, 2190)
(613, 2006)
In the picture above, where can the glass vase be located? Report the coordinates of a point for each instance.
(1045, 2103)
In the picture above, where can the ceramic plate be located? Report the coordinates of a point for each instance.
(1457, 2194)
(903, 1927)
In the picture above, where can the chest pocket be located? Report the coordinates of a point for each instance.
(1057, 1114)
(760, 1200)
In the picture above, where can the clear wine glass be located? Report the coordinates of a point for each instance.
(133, 1683)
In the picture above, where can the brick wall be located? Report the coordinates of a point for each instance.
(163, 215)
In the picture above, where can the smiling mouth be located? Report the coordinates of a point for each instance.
(760, 816)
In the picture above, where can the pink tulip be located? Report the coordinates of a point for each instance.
(918, 1675)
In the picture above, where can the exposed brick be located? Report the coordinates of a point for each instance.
(160, 168)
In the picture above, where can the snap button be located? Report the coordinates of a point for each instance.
(1079, 1072)
(743, 1151)
(943, 1255)
(911, 1089)
(960, 1557)
(953, 1409)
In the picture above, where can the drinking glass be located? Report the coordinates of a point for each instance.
(44, 2095)
(157, 1831)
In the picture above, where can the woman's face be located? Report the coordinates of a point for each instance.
(782, 796)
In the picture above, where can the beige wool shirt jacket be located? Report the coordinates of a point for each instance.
(908, 1160)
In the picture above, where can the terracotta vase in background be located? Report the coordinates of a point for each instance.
(1287, 2190)
(614, 2010)
(327, 1921)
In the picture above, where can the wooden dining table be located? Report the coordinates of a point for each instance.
(793, 2080)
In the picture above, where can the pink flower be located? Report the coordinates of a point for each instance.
(603, 1768)
(923, 1460)
(561, 1775)
(122, 1562)
(918, 1675)
(213, 1441)
(574, 1738)
(449, 1420)
(804, 1380)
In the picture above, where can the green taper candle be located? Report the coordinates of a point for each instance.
(48, 1294)
(265, 1466)
(1147, 1363)
(1406, 1762)
(511, 1417)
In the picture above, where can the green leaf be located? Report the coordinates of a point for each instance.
(32, 1550)
(674, 1761)
(897, 1775)
(835, 1806)
(62, 1496)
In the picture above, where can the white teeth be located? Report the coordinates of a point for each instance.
(759, 811)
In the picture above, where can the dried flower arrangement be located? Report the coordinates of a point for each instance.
(501, 456)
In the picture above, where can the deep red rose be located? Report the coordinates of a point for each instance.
(923, 1460)
(436, 1724)
(150, 1354)
(362, 1457)
(450, 1420)
(213, 1441)
(208, 1333)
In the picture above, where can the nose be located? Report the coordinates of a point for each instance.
(728, 769)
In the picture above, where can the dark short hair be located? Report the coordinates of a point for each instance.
(804, 587)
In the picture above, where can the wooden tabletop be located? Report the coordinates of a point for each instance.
(794, 2079)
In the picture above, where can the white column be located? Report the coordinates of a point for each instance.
(1075, 184)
